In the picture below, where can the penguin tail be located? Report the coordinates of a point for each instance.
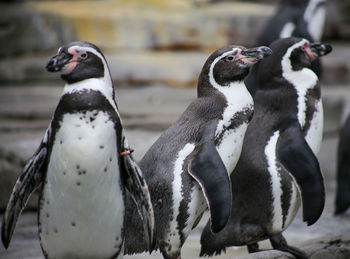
(210, 244)
(208, 253)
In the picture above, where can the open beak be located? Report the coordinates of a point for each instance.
(320, 49)
(59, 62)
(251, 56)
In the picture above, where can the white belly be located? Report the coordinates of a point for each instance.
(314, 135)
(238, 100)
(82, 208)
(231, 146)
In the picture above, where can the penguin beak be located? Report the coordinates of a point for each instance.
(320, 49)
(251, 56)
(59, 62)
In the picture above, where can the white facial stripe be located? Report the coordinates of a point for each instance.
(104, 85)
(293, 47)
(270, 153)
(92, 50)
(211, 70)
(302, 80)
(96, 53)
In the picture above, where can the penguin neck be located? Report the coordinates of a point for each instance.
(209, 89)
(103, 85)
(237, 98)
(302, 80)
(230, 91)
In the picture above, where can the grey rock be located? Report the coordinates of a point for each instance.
(337, 247)
(117, 25)
(133, 68)
(272, 254)
(25, 30)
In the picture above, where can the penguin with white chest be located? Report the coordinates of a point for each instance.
(84, 165)
(296, 18)
(293, 18)
(187, 167)
(278, 169)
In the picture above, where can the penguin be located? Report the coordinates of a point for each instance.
(278, 170)
(297, 18)
(84, 165)
(187, 167)
(342, 200)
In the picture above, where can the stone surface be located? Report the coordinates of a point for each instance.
(41, 26)
(146, 42)
(128, 25)
(176, 68)
(24, 29)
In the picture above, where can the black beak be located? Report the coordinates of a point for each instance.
(256, 54)
(320, 49)
(58, 62)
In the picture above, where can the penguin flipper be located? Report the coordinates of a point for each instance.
(342, 198)
(207, 168)
(28, 181)
(136, 184)
(297, 157)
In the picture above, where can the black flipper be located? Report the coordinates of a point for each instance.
(136, 184)
(297, 157)
(206, 167)
(30, 178)
(342, 201)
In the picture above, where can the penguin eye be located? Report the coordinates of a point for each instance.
(305, 46)
(84, 55)
(229, 58)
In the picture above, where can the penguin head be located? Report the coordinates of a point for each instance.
(228, 65)
(290, 55)
(78, 61)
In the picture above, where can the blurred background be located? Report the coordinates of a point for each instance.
(155, 50)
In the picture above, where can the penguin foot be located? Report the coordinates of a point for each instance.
(278, 242)
(126, 152)
(253, 248)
